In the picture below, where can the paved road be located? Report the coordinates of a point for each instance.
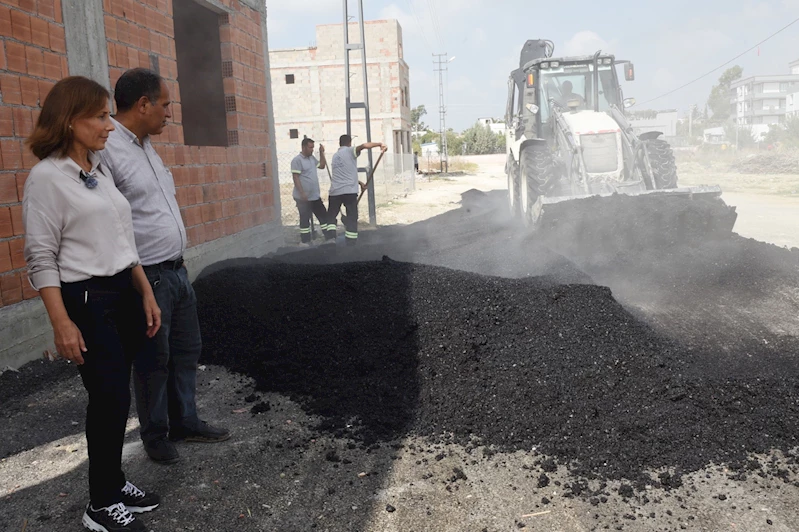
(773, 219)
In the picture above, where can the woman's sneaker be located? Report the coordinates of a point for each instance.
(114, 518)
(138, 502)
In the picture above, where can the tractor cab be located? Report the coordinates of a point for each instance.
(572, 85)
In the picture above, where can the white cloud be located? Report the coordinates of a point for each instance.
(461, 84)
(712, 42)
(409, 26)
(302, 8)
(664, 80)
(759, 10)
(586, 43)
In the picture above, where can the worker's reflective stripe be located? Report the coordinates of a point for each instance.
(350, 234)
(329, 227)
(305, 230)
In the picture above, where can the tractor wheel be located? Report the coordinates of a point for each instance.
(536, 168)
(664, 166)
(513, 189)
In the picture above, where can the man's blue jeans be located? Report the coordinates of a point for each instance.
(165, 371)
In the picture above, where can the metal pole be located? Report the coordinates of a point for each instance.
(440, 62)
(441, 136)
(347, 68)
(371, 189)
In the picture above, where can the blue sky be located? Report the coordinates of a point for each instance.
(670, 42)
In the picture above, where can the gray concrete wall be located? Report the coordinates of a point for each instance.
(25, 333)
(84, 26)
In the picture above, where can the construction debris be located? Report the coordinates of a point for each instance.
(767, 163)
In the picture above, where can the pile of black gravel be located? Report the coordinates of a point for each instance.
(622, 222)
(383, 349)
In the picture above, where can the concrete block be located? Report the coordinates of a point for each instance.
(25, 333)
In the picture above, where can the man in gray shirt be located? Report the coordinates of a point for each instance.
(344, 186)
(165, 372)
(306, 190)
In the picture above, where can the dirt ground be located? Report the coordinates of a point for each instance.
(280, 472)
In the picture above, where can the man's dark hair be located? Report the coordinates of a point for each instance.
(134, 84)
(344, 140)
(306, 141)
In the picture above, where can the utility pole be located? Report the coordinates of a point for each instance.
(691, 121)
(440, 61)
(350, 105)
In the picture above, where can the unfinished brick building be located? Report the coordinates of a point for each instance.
(214, 56)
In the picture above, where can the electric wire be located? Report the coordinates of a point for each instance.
(433, 20)
(419, 23)
(706, 74)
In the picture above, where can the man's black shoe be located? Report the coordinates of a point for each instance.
(114, 518)
(162, 451)
(203, 433)
(137, 501)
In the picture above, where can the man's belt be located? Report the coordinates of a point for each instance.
(168, 264)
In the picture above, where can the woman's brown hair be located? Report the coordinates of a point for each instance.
(72, 97)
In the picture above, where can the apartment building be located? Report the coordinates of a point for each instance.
(764, 99)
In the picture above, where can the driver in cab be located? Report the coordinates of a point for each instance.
(566, 95)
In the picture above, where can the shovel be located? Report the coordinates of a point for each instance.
(371, 176)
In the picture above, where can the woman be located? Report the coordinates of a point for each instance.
(82, 259)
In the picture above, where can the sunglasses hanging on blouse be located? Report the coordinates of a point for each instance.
(88, 179)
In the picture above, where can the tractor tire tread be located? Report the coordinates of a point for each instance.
(664, 165)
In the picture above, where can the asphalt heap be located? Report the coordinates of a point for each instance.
(384, 349)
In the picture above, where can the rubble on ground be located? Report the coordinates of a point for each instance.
(767, 163)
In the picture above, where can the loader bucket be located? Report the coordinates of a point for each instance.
(636, 219)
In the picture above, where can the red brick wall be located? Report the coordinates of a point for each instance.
(32, 59)
(221, 190)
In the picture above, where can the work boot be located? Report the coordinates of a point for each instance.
(203, 433)
(162, 451)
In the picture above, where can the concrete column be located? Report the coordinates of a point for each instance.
(261, 7)
(87, 52)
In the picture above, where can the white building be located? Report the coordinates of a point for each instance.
(764, 99)
(665, 122)
(430, 149)
(792, 104)
(495, 125)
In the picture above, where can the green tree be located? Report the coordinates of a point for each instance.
(719, 100)
(745, 135)
(786, 133)
(454, 143)
(501, 142)
(479, 140)
(416, 118)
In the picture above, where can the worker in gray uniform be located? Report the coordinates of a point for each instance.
(344, 187)
(306, 190)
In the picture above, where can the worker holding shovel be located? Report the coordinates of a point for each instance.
(344, 186)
